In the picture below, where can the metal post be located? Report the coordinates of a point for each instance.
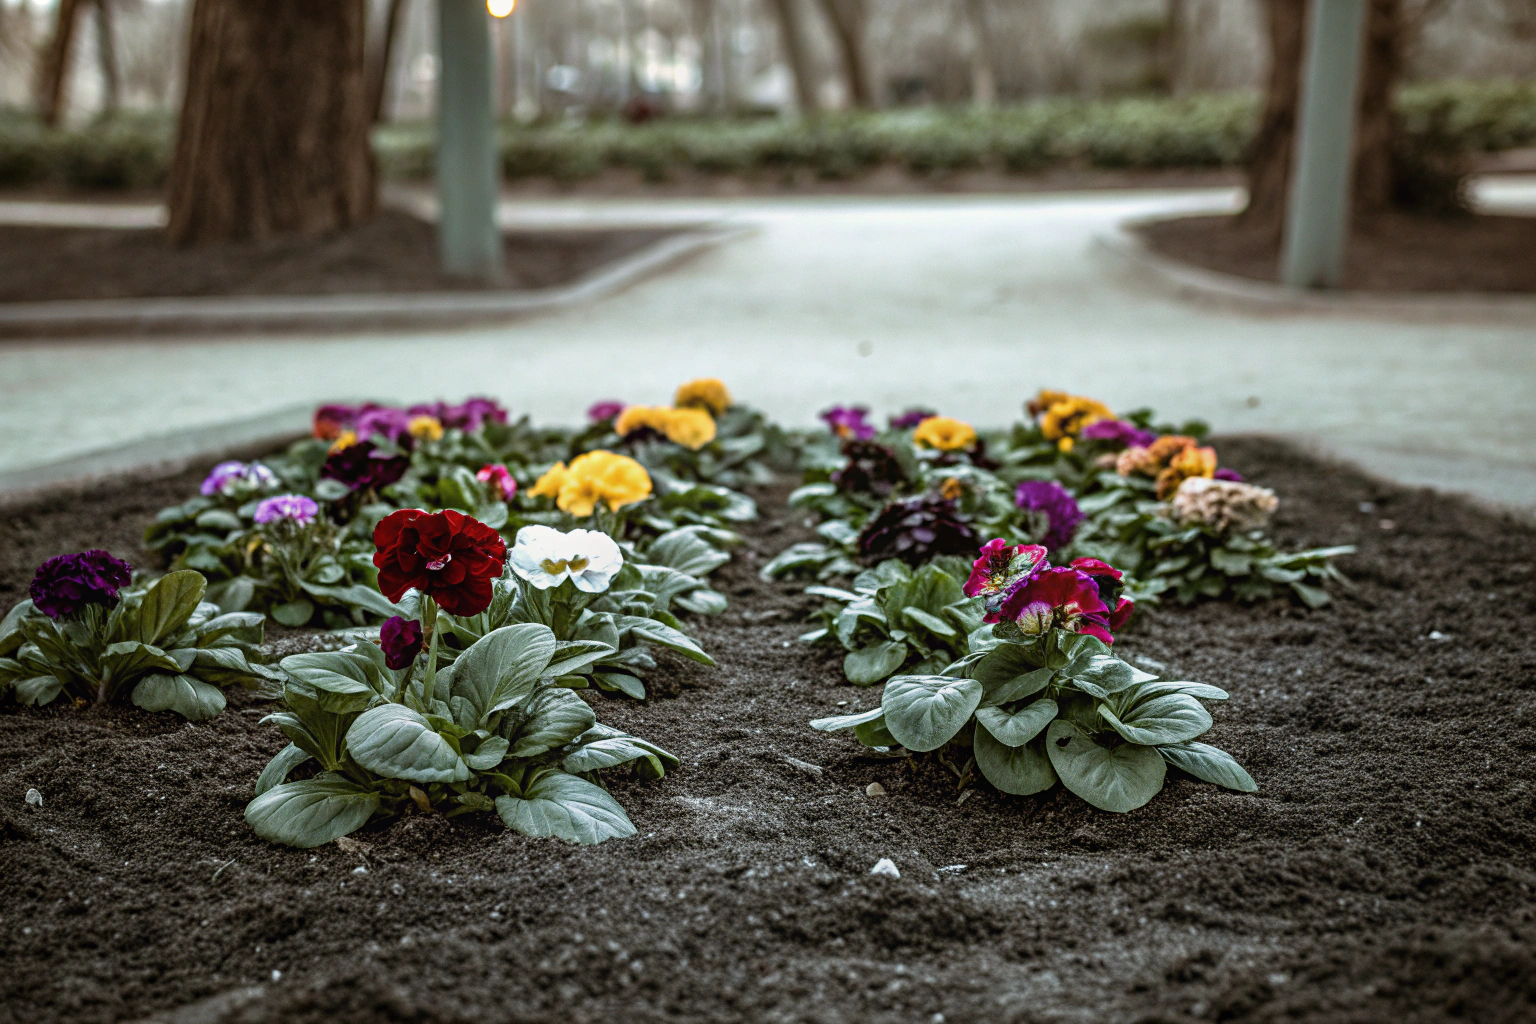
(468, 236)
(1317, 215)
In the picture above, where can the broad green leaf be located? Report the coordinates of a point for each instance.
(312, 812)
(11, 636)
(665, 636)
(565, 807)
(247, 627)
(932, 623)
(1119, 779)
(501, 668)
(1106, 672)
(237, 594)
(925, 712)
(129, 659)
(847, 721)
(168, 603)
(684, 550)
(38, 690)
(277, 769)
(1171, 718)
(573, 656)
(1010, 672)
(489, 754)
(294, 613)
(875, 734)
(605, 747)
(624, 682)
(1159, 687)
(1212, 764)
(225, 666)
(1021, 770)
(702, 601)
(1311, 596)
(1016, 728)
(832, 594)
(190, 698)
(344, 673)
(1017, 688)
(871, 664)
(355, 596)
(555, 717)
(393, 741)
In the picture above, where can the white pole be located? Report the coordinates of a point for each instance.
(467, 160)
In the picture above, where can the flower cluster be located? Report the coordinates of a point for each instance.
(546, 558)
(237, 479)
(598, 477)
(705, 393)
(849, 422)
(1055, 504)
(1063, 417)
(1117, 434)
(1022, 588)
(361, 468)
(944, 434)
(296, 508)
(690, 427)
(1170, 460)
(1222, 506)
(64, 585)
(917, 530)
(426, 421)
(447, 556)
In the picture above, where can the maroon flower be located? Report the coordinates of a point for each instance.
(916, 531)
(358, 468)
(872, 469)
(400, 640)
(448, 556)
(1001, 565)
(1058, 598)
(65, 584)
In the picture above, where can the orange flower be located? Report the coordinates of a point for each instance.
(1186, 465)
(1166, 447)
(944, 433)
(705, 393)
(951, 489)
(345, 439)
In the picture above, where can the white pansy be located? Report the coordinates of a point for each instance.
(546, 558)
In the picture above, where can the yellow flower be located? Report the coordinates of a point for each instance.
(1067, 418)
(706, 392)
(691, 428)
(548, 485)
(639, 417)
(951, 489)
(601, 476)
(1044, 400)
(425, 428)
(944, 433)
(345, 439)
(1187, 464)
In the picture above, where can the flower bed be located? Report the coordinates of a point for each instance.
(1377, 873)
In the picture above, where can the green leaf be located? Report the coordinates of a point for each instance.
(190, 698)
(1312, 597)
(702, 601)
(312, 812)
(129, 659)
(1109, 674)
(1119, 779)
(925, 712)
(847, 721)
(875, 734)
(488, 755)
(38, 690)
(393, 741)
(1170, 718)
(687, 552)
(1020, 770)
(1010, 672)
(168, 604)
(871, 664)
(932, 623)
(555, 717)
(665, 636)
(346, 674)
(1159, 687)
(606, 747)
(277, 769)
(573, 656)
(501, 668)
(1016, 728)
(1212, 764)
(628, 685)
(246, 627)
(565, 807)
(11, 636)
(294, 613)
(355, 596)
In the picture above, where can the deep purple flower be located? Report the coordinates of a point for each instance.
(911, 418)
(297, 507)
(1118, 432)
(65, 584)
(356, 466)
(917, 530)
(400, 640)
(1056, 503)
(848, 422)
(1230, 474)
(601, 412)
(872, 469)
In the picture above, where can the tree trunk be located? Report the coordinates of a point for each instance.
(1269, 159)
(53, 73)
(1380, 69)
(106, 54)
(979, 53)
(273, 136)
(381, 60)
(847, 20)
(792, 33)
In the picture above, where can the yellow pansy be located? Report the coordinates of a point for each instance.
(602, 477)
(691, 428)
(548, 485)
(1064, 420)
(345, 439)
(425, 428)
(704, 393)
(944, 433)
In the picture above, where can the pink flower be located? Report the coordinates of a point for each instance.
(1058, 598)
(498, 475)
(848, 422)
(1001, 565)
(605, 410)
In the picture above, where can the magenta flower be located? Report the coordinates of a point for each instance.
(391, 424)
(601, 412)
(1001, 565)
(1058, 598)
(1119, 433)
(1230, 474)
(64, 585)
(297, 507)
(470, 416)
(498, 477)
(849, 422)
(911, 418)
(400, 640)
(1056, 504)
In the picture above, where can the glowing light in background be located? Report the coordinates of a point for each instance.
(500, 8)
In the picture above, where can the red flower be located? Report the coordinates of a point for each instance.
(448, 556)
(1122, 613)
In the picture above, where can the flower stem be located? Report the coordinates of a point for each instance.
(429, 627)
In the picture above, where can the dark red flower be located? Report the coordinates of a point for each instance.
(400, 640)
(358, 468)
(448, 556)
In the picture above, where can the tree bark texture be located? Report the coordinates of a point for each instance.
(1380, 69)
(978, 48)
(273, 135)
(53, 72)
(382, 58)
(106, 54)
(792, 33)
(847, 19)
(1270, 157)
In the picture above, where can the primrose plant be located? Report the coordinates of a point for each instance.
(1041, 698)
(88, 632)
(392, 726)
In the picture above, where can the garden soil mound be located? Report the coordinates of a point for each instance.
(1383, 873)
(392, 252)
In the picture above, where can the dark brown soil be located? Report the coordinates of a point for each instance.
(1383, 873)
(1392, 253)
(392, 252)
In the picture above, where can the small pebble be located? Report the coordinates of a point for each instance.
(885, 866)
(1367, 507)
(1387, 524)
(1439, 637)
(874, 789)
(359, 870)
(34, 798)
(277, 975)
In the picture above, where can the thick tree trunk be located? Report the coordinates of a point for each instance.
(1269, 159)
(273, 136)
(847, 20)
(1374, 137)
(53, 72)
(382, 58)
(792, 32)
(106, 54)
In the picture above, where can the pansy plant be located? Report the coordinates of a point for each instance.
(1041, 698)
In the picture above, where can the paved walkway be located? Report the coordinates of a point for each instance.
(966, 304)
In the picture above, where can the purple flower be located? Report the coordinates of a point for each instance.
(65, 584)
(1230, 474)
(1118, 432)
(400, 640)
(1057, 505)
(600, 412)
(226, 477)
(392, 424)
(848, 422)
(356, 467)
(471, 415)
(911, 418)
(297, 507)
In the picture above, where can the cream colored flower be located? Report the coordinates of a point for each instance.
(546, 558)
(1222, 506)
